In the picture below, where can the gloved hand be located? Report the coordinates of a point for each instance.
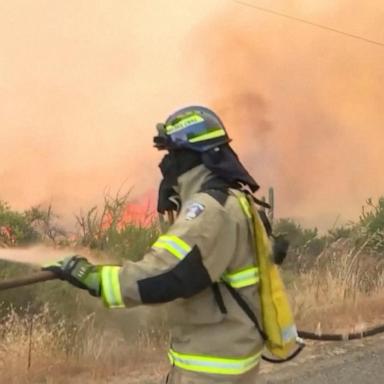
(79, 272)
(280, 249)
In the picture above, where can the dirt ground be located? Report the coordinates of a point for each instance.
(353, 362)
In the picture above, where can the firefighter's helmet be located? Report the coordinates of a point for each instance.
(196, 128)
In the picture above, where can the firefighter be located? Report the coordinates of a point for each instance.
(199, 263)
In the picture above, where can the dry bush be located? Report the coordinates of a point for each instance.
(342, 289)
(342, 292)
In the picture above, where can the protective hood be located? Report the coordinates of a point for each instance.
(221, 161)
(173, 165)
(224, 163)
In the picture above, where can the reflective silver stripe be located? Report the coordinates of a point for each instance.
(110, 287)
(214, 364)
(289, 333)
(174, 245)
(242, 278)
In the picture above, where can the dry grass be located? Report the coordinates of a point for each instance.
(34, 349)
(343, 292)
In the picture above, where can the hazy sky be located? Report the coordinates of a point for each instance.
(83, 83)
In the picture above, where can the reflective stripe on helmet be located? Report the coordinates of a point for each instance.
(214, 364)
(196, 128)
(110, 287)
(173, 245)
(213, 134)
(183, 123)
(242, 278)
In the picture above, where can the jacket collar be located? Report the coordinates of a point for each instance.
(191, 181)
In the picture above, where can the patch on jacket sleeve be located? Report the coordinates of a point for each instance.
(193, 210)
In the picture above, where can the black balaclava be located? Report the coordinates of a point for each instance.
(224, 163)
(173, 165)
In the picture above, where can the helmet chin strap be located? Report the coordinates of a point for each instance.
(175, 200)
(166, 220)
(171, 217)
(173, 165)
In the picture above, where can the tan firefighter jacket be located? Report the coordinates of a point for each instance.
(210, 242)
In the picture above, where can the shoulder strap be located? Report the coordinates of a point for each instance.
(246, 308)
(217, 189)
(219, 298)
(220, 196)
(266, 222)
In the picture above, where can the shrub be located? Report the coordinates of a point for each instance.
(104, 230)
(342, 232)
(15, 227)
(45, 222)
(302, 240)
(372, 224)
(131, 242)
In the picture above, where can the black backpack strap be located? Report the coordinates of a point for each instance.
(219, 298)
(215, 183)
(217, 189)
(245, 307)
(266, 222)
(248, 311)
(261, 202)
(220, 196)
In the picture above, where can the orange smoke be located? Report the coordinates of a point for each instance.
(83, 84)
(303, 104)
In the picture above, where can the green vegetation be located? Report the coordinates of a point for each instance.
(308, 244)
(105, 234)
(105, 230)
(31, 226)
(330, 276)
(301, 239)
(16, 228)
(372, 224)
(101, 230)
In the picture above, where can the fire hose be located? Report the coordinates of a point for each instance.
(39, 277)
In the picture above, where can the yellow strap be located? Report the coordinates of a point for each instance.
(110, 287)
(277, 317)
(243, 277)
(214, 364)
(245, 206)
(174, 245)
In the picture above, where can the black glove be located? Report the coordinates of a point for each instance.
(79, 272)
(280, 249)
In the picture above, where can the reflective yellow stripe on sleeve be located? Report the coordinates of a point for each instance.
(110, 287)
(174, 245)
(243, 277)
(214, 364)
